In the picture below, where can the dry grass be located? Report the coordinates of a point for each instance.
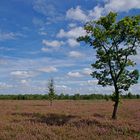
(68, 120)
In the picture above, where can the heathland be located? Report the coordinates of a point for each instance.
(68, 120)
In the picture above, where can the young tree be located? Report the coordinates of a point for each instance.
(114, 42)
(51, 91)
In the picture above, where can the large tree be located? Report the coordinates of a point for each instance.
(115, 42)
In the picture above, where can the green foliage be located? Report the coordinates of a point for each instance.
(114, 98)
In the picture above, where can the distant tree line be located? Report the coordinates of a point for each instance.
(66, 97)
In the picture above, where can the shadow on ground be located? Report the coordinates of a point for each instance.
(49, 119)
(54, 119)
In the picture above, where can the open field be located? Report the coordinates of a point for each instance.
(68, 120)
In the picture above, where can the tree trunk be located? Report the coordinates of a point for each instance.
(114, 114)
(116, 100)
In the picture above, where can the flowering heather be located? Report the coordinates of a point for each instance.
(68, 120)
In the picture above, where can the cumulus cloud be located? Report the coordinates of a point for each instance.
(76, 54)
(87, 71)
(95, 13)
(74, 74)
(109, 5)
(23, 74)
(83, 16)
(48, 69)
(72, 42)
(76, 14)
(73, 33)
(121, 5)
(54, 43)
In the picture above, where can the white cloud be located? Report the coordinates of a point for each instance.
(7, 36)
(73, 33)
(23, 81)
(48, 10)
(76, 14)
(76, 54)
(42, 7)
(44, 49)
(92, 82)
(10, 35)
(109, 5)
(87, 71)
(23, 74)
(48, 69)
(96, 13)
(83, 16)
(71, 36)
(61, 87)
(54, 43)
(121, 5)
(42, 33)
(74, 74)
(72, 42)
(5, 85)
(72, 25)
(38, 22)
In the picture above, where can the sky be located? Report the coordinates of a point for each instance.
(38, 42)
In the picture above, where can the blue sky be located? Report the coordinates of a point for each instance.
(38, 42)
